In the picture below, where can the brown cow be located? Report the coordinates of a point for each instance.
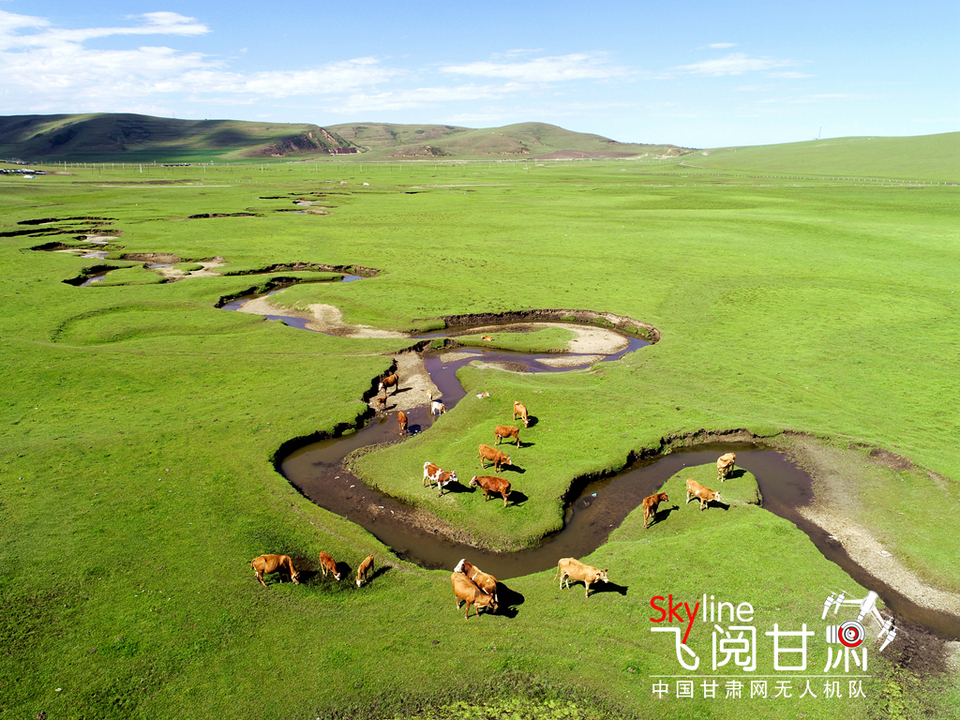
(390, 381)
(437, 408)
(507, 431)
(650, 505)
(328, 564)
(402, 421)
(433, 474)
(465, 590)
(703, 494)
(487, 338)
(492, 486)
(487, 583)
(520, 410)
(573, 569)
(267, 564)
(365, 567)
(493, 455)
(725, 465)
(381, 403)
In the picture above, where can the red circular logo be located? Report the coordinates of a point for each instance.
(851, 634)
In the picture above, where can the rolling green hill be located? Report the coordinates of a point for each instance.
(534, 140)
(106, 137)
(109, 136)
(927, 157)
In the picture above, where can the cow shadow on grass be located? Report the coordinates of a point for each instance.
(516, 498)
(455, 487)
(531, 421)
(733, 474)
(508, 601)
(662, 514)
(608, 587)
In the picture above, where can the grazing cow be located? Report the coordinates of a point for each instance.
(433, 474)
(650, 505)
(267, 564)
(507, 431)
(390, 381)
(402, 421)
(492, 486)
(703, 494)
(381, 403)
(725, 464)
(572, 569)
(493, 455)
(328, 564)
(520, 410)
(437, 408)
(465, 590)
(365, 567)
(487, 583)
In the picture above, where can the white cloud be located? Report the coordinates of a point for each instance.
(578, 66)
(721, 46)
(54, 68)
(155, 23)
(425, 97)
(733, 64)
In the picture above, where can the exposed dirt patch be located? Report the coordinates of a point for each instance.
(588, 317)
(207, 270)
(158, 258)
(834, 510)
(587, 341)
(415, 384)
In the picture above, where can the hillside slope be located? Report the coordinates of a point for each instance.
(924, 157)
(109, 136)
(534, 140)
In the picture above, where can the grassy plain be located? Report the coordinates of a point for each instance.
(140, 421)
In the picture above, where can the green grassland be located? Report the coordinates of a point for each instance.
(141, 423)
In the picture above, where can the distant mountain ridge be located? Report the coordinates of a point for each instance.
(112, 136)
(105, 137)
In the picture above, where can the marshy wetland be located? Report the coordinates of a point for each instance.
(149, 432)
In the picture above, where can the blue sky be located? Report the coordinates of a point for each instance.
(698, 74)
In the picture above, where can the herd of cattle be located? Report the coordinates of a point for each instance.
(492, 485)
(471, 585)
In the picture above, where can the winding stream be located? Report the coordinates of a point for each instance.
(317, 471)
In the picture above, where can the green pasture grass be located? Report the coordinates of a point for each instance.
(141, 425)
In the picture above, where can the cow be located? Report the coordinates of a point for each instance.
(433, 474)
(267, 564)
(520, 410)
(492, 486)
(650, 505)
(725, 464)
(487, 338)
(487, 583)
(507, 431)
(572, 569)
(703, 494)
(466, 590)
(381, 403)
(437, 408)
(402, 421)
(493, 455)
(390, 381)
(328, 564)
(365, 567)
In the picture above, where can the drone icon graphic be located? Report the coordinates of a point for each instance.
(852, 633)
